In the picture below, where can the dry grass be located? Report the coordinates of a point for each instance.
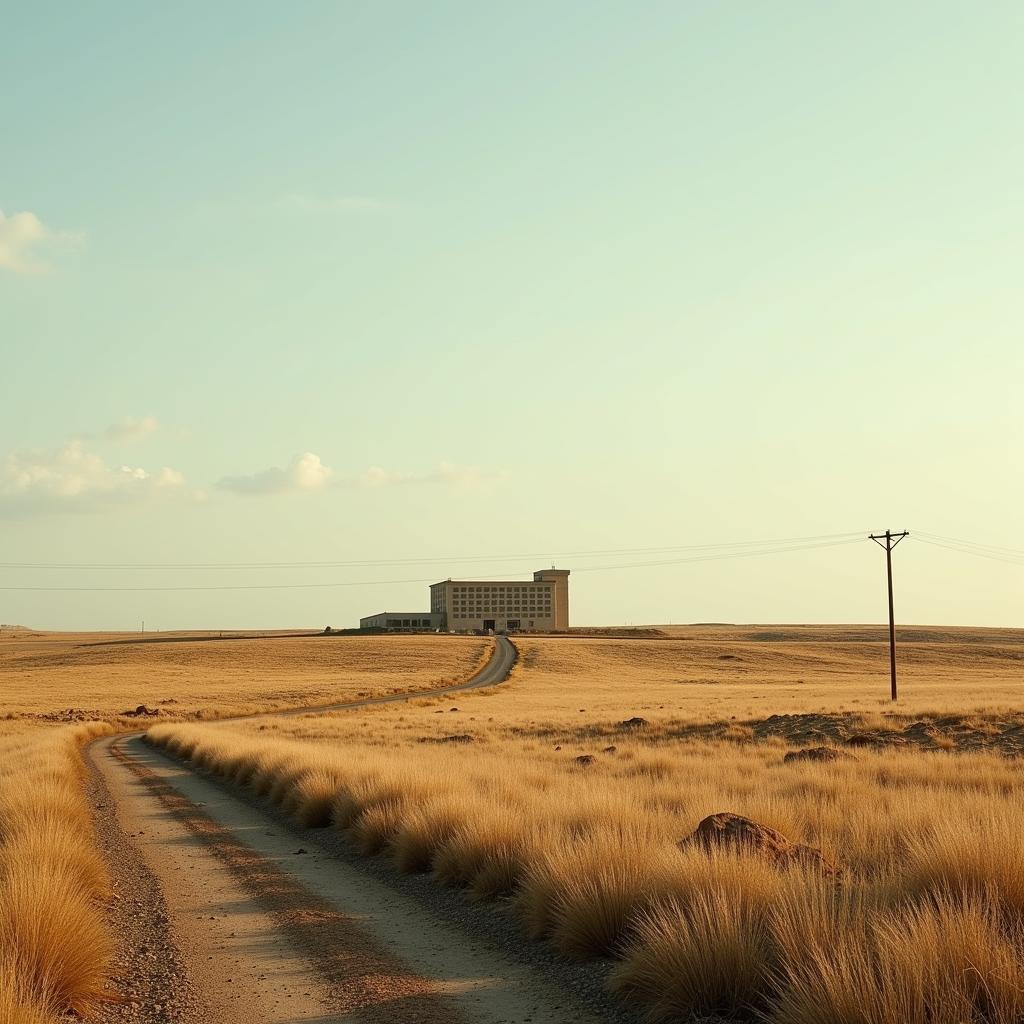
(924, 925)
(54, 946)
(99, 675)
(946, 960)
(715, 673)
(927, 911)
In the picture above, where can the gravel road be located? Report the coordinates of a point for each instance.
(223, 918)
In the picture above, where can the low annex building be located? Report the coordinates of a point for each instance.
(465, 606)
(400, 620)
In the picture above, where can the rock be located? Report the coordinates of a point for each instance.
(734, 832)
(818, 754)
(142, 712)
(301, 850)
(585, 760)
(636, 722)
(453, 709)
(610, 750)
(864, 739)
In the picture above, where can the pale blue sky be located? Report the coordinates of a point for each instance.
(460, 279)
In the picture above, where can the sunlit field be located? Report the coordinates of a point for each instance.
(755, 671)
(100, 675)
(54, 944)
(893, 886)
(61, 690)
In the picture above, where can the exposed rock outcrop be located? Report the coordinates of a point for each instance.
(819, 754)
(728, 831)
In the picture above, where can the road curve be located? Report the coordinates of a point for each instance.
(496, 670)
(247, 930)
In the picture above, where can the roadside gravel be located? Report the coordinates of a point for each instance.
(172, 966)
(149, 982)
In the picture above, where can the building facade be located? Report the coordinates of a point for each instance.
(540, 604)
(504, 606)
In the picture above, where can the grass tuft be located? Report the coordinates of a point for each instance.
(54, 944)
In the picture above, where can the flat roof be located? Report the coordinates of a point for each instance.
(412, 615)
(506, 583)
(489, 583)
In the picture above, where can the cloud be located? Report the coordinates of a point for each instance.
(307, 473)
(304, 473)
(131, 428)
(72, 478)
(21, 235)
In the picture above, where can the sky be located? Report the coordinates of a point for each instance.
(475, 288)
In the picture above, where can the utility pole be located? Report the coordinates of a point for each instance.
(889, 540)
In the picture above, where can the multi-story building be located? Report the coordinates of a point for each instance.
(538, 604)
(464, 606)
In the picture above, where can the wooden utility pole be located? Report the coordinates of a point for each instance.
(889, 540)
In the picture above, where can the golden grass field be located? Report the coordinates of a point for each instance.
(917, 914)
(54, 944)
(920, 921)
(101, 674)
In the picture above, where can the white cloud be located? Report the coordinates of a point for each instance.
(304, 473)
(132, 428)
(21, 235)
(72, 478)
(308, 473)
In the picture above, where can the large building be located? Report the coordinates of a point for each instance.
(541, 603)
(463, 606)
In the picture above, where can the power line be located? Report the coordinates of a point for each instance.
(965, 547)
(855, 539)
(448, 560)
(748, 552)
(969, 543)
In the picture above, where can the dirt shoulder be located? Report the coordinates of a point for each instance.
(149, 981)
(265, 932)
(195, 947)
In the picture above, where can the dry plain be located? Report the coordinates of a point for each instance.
(538, 801)
(98, 675)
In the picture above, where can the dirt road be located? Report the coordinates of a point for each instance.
(225, 919)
